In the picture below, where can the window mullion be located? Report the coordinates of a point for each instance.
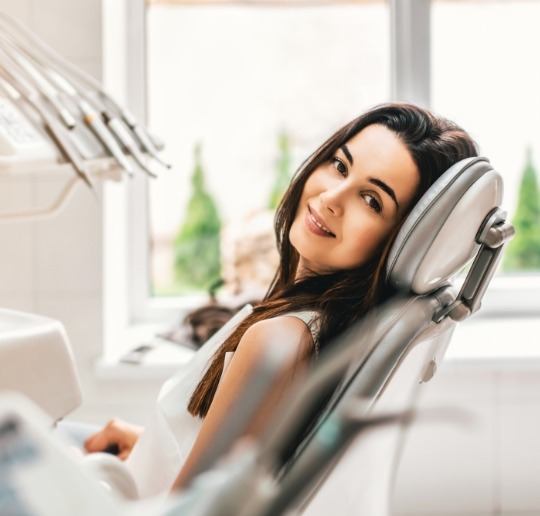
(410, 51)
(138, 284)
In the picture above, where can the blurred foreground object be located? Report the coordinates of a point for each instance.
(41, 364)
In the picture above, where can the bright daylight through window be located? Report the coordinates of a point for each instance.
(505, 126)
(242, 95)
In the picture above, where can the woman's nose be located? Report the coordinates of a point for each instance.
(332, 201)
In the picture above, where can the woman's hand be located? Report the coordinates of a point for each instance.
(117, 437)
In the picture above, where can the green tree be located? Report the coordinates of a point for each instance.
(523, 252)
(283, 171)
(196, 246)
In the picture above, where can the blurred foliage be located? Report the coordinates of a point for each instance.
(283, 171)
(523, 251)
(196, 245)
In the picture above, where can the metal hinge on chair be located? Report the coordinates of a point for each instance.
(493, 234)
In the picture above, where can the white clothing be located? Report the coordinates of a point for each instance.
(158, 456)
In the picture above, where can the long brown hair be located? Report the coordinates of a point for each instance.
(342, 297)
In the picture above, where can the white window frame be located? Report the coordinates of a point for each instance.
(410, 81)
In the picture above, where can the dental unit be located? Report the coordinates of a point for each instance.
(50, 59)
(69, 110)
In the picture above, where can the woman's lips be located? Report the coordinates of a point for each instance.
(310, 223)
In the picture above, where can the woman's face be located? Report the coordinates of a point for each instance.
(359, 196)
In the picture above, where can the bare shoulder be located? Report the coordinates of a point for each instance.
(283, 330)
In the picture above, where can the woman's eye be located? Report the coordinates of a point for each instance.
(340, 166)
(373, 203)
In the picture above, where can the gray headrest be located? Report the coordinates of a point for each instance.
(438, 237)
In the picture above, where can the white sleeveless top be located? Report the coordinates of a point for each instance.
(310, 318)
(160, 452)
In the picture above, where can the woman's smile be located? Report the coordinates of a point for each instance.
(315, 226)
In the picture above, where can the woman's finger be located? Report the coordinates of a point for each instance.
(100, 440)
(96, 442)
(124, 454)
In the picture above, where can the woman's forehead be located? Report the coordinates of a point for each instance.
(378, 152)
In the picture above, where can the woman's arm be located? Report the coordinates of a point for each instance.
(286, 332)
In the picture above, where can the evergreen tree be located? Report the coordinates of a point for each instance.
(196, 246)
(523, 252)
(283, 171)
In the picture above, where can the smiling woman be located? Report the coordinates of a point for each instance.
(339, 217)
(334, 227)
(355, 198)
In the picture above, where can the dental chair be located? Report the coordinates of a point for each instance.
(457, 221)
(376, 369)
(371, 374)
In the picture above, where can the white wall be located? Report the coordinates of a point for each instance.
(55, 267)
(490, 467)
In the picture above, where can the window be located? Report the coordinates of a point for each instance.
(490, 85)
(243, 94)
(252, 89)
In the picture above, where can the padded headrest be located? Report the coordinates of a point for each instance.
(437, 239)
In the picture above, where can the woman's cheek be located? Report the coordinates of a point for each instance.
(364, 241)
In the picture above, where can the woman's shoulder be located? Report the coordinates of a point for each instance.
(275, 327)
(287, 330)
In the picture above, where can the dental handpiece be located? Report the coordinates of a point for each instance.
(44, 87)
(92, 119)
(119, 129)
(50, 93)
(65, 146)
(142, 136)
(67, 149)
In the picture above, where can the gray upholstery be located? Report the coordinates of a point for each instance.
(405, 349)
(437, 238)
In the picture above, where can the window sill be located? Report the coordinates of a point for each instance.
(498, 343)
(162, 361)
(501, 342)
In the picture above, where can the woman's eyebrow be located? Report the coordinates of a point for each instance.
(383, 186)
(347, 153)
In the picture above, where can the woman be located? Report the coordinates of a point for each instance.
(334, 226)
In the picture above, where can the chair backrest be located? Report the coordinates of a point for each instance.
(388, 381)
